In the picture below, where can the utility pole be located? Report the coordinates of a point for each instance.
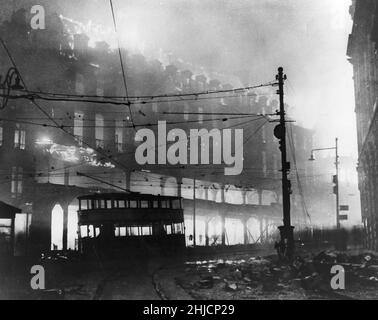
(335, 178)
(286, 245)
(194, 213)
(336, 191)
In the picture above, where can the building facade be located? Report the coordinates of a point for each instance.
(363, 55)
(45, 165)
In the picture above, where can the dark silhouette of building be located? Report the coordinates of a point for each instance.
(363, 55)
(39, 161)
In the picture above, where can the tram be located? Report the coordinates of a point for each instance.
(123, 224)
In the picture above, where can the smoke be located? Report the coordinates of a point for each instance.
(241, 42)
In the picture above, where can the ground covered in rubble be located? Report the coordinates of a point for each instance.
(242, 277)
(308, 277)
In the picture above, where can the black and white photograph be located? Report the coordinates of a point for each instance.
(204, 151)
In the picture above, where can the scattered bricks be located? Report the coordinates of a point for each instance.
(237, 274)
(206, 283)
(297, 283)
(269, 285)
(231, 287)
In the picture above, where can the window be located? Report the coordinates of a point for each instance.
(164, 204)
(133, 204)
(144, 204)
(16, 183)
(264, 166)
(134, 231)
(147, 231)
(1, 133)
(154, 107)
(177, 228)
(168, 229)
(19, 137)
(119, 135)
(78, 126)
(176, 204)
(83, 204)
(80, 89)
(186, 111)
(200, 116)
(122, 231)
(155, 204)
(99, 132)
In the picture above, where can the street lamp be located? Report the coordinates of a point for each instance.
(335, 178)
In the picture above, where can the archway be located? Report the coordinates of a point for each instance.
(57, 228)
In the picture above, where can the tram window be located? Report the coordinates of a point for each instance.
(144, 204)
(109, 204)
(122, 231)
(116, 231)
(97, 231)
(84, 231)
(155, 204)
(83, 204)
(133, 204)
(89, 204)
(134, 231)
(177, 228)
(176, 204)
(102, 204)
(91, 231)
(164, 204)
(168, 229)
(146, 231)
(121, 204)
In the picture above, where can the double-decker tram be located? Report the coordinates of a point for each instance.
(123, 224)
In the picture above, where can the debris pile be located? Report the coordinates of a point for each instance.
(306, 277)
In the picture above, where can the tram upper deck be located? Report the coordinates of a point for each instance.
(130, 221)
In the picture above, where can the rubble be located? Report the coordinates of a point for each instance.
(258, 278)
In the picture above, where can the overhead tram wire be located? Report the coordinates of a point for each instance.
(38, 96)
(128, 127)
(41, 109)
(238, 91)
(122, 66)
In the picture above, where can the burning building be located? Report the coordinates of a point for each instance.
(74, 117)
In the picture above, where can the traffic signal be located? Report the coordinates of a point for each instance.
(335, 182)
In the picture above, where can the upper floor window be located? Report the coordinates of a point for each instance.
(186, 111)
(16, 183)
(155, 107)
(119, 135)
(200, 116)
(78, 126)
(80, 89)
(99, 133)
(19, 137)
(1, 133)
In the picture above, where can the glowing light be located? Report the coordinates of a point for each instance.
(44, 141)
(73, 154)
(57, 228)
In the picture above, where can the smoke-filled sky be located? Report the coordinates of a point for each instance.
(245, 40)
